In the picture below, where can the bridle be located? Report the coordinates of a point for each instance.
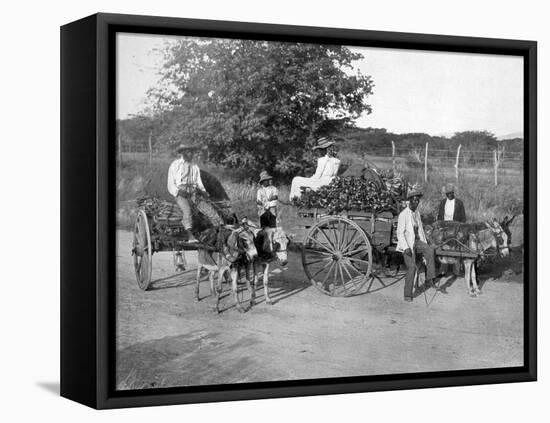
(497, 232)
(239, 244)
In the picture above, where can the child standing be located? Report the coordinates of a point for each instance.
(266, 200)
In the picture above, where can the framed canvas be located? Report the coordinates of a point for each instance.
(258, 211)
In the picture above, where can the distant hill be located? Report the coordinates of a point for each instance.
(510, 136)
(477, 146)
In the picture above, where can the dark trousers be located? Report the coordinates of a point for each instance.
(268, 219)
(423, 249)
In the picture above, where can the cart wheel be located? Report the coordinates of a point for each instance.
(142, 251)
(337, 256)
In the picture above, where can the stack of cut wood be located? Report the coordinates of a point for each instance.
(169, 213)
(161, 210)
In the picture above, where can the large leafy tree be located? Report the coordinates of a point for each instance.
(256, 104)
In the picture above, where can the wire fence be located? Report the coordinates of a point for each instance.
(498, 161)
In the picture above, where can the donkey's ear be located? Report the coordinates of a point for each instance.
(232, 241)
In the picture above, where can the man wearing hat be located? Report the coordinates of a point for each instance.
(451, 208)
(411, 240)
(185, 184)
(327, 169)
(266, 200)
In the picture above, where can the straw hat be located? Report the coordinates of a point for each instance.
(414, 193)
(323, 142)
(448, 188)
(264, 176)
(189, 146)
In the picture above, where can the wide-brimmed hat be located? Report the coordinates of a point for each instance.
(264, 176)
(448, 188)
(414, 193)
(323, 142)
(188, 146)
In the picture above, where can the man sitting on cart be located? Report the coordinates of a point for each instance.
(327, 169)
(185, 184)
(411, 240)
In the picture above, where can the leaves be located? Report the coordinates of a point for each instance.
(257, 104)
(356, 193)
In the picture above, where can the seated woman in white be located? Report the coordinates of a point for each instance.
(327, 169)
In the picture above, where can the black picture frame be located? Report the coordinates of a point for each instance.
(88, 220)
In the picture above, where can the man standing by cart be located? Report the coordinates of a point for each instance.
(185, 184)
(451, 208)
(411, 240)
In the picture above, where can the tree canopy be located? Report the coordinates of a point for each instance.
(257, 104)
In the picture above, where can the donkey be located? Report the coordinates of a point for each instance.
(234, 246)
(271, 244)
(477, 237)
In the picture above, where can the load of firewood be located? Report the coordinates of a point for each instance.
(374, 191)
(170, 214)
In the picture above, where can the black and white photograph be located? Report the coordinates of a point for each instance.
(272, 212)
(298, 211)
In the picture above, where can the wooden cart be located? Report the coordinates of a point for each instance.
(153, 234)
(338, 250)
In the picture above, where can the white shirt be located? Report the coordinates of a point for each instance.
(266, 198)
(327, 167)
(405, 229)
(183, 173)
(449, 209)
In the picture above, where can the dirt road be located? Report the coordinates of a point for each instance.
(165, 338)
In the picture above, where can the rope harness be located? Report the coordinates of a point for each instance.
(496, 231)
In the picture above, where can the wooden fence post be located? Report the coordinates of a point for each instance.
(456, 163)
(426, 164)
(496, 168)
(393, 156)
(150, 149)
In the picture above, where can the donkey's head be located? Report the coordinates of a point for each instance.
(272, 243)
(246, 243)
(500, 237)
(280, 244)
(505, 225)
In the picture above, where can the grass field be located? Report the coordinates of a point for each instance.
(482, 199)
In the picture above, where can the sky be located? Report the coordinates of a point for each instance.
(437, 93)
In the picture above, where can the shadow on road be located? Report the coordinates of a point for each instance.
(177, 280)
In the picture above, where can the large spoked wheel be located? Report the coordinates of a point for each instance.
(337, 256)
(142, 251)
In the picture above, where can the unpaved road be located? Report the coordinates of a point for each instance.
(165, 338)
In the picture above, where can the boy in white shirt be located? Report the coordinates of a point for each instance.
(266, 200)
